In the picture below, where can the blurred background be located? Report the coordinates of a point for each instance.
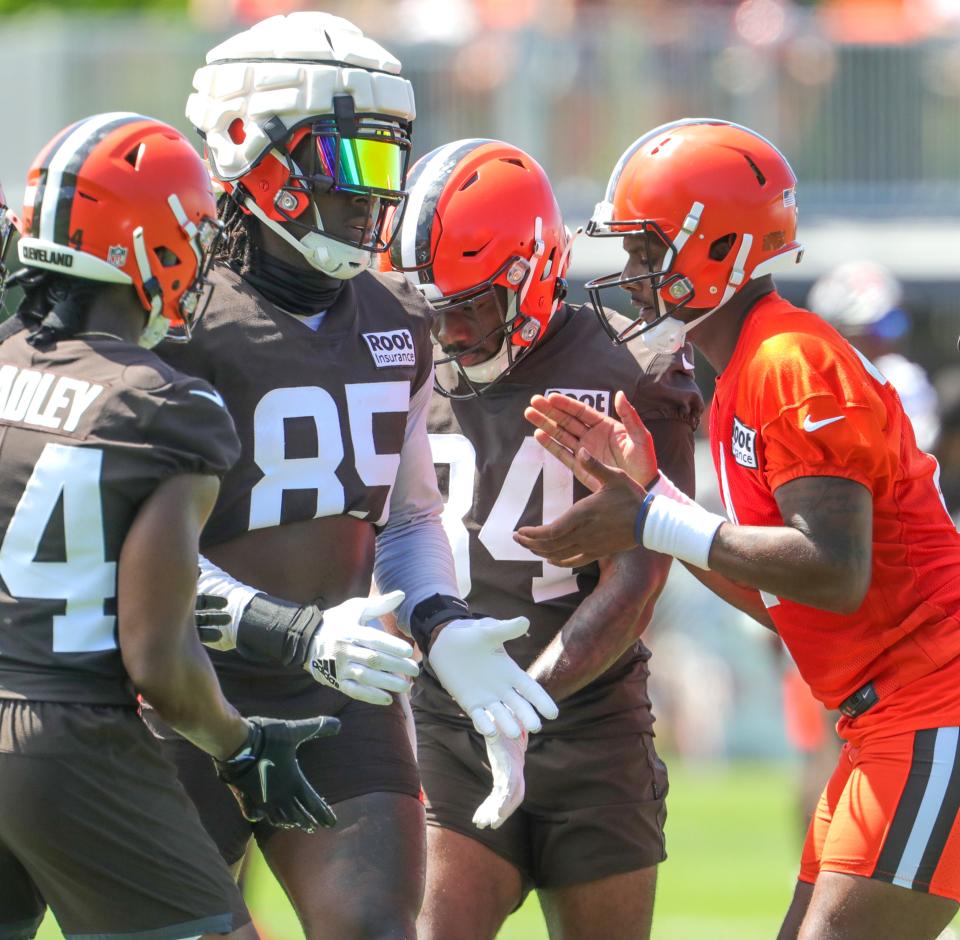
(863, 97)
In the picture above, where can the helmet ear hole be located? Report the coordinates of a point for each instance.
(720, 248)
(166, 257)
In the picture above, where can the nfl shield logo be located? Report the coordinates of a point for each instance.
(117, 256)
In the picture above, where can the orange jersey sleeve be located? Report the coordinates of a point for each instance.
(817, 412)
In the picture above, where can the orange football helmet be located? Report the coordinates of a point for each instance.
(481, 214)
(719, 198)
(124, 199)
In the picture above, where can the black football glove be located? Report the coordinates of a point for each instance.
(213, 621)
(266, 779)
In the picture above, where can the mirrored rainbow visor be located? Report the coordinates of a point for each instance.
(373, 161)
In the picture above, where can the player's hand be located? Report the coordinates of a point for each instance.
(564, 425)
(597, 526)
(362, 661)
(469, 660)
(266, 779)
(506, 756)
(214, 623)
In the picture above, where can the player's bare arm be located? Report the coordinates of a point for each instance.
(169, 667)
(160, 648)
(615, 614)
(820, 558)
(564, 424)
(598, 632)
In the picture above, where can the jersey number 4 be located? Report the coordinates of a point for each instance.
(496, 535)
(84, 580)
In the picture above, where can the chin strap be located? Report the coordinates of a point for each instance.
(157, 324)
(319, 256)
(561, 266)
(485, 372)
(736, 279)
(538, 251)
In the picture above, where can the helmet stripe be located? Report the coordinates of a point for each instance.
(36, 200)
(426, 185)
(63, 165)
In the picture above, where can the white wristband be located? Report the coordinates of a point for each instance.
(684, 530)
(666, 487)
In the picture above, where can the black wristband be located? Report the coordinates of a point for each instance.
(272, 630)
(429, 613)
(247, 751)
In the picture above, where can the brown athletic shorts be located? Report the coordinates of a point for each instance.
(594, 805)
(371, 754)
(95, 824)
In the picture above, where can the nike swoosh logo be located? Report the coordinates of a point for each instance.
(687, 364)
(263, 767)
(809, 425)
(212, 396)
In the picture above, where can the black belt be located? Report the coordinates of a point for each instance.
(861, 701)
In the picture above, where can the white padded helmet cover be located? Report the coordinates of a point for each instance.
(289, 67)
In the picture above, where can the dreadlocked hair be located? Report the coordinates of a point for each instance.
(238, 245)
(53, 305)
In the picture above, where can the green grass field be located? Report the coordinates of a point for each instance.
(733, 852)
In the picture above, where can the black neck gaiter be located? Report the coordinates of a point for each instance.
(297, 290)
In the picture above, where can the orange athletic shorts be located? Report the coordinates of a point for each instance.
(889, 812)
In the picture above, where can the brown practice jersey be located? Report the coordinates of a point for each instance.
(495, 478)
(88, 429)
(321, 414)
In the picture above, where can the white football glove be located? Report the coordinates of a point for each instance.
(506, 756)
(362, 661)
(469, 660)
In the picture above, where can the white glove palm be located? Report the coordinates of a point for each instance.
(360, 660)
(506, 756)
(469, 660)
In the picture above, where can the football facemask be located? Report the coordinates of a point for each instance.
(204, 239)
(664, 332)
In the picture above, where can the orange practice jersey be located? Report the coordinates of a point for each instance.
(797, 400)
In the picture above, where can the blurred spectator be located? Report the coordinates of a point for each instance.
(862, 300)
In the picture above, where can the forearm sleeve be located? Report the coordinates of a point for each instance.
(413, 554)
